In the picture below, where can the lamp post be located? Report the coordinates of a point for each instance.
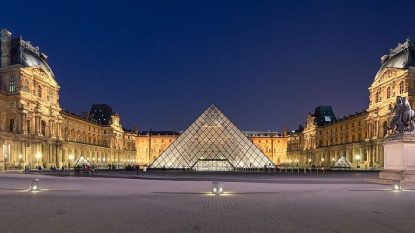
(69, 161)
(357, 160)
(333, 160)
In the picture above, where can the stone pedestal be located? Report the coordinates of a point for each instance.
(399, 160)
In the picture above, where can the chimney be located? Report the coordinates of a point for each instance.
(6, 41)
(285, 131)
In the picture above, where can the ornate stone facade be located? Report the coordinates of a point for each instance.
(359, 137)
(34, 131)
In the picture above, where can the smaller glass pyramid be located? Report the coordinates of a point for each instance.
(82, 161)
(343, 163)
(214, 143)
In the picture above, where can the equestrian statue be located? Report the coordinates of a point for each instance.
(403, 119)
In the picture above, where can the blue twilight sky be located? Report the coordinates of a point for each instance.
(266, 64)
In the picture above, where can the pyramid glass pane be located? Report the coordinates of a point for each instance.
(212, 143)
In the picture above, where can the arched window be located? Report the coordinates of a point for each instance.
(388, 93)
(401, 87)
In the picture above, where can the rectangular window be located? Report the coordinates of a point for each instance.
(11, 125)
(28, 126)
(12, 85)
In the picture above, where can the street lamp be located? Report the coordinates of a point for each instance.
(322, 162)
(69, 162)
(357, 160)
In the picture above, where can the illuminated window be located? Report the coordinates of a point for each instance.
(12, 85)
(388, 92)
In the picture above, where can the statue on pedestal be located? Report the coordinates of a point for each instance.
(403, 119)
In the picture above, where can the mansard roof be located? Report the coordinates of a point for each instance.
(24, 53)
(401, 57)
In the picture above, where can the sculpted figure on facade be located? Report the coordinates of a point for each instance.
(403, 116)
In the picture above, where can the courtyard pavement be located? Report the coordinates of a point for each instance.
(173, 202)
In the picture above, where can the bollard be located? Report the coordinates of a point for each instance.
(396, 185)
(34, 185)
(217, 188)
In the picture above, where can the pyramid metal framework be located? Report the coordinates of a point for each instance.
(212, 142)
(343, 162)
(82, 161)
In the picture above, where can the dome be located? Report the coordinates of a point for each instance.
(22, 52)
(401, 57)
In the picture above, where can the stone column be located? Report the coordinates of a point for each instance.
(38, 129)
(24, 122)
(59, 156)
(59, 129)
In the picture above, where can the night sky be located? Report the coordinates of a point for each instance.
(265, 64)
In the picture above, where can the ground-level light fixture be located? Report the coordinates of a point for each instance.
(396, 185)
(34, 185)
(357, 157)
(217, 188)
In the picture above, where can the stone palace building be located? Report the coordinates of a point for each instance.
(359, 136)
(35, 131)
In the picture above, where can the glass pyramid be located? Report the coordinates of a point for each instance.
(343, 162)
(82, 161)
(214, 143)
